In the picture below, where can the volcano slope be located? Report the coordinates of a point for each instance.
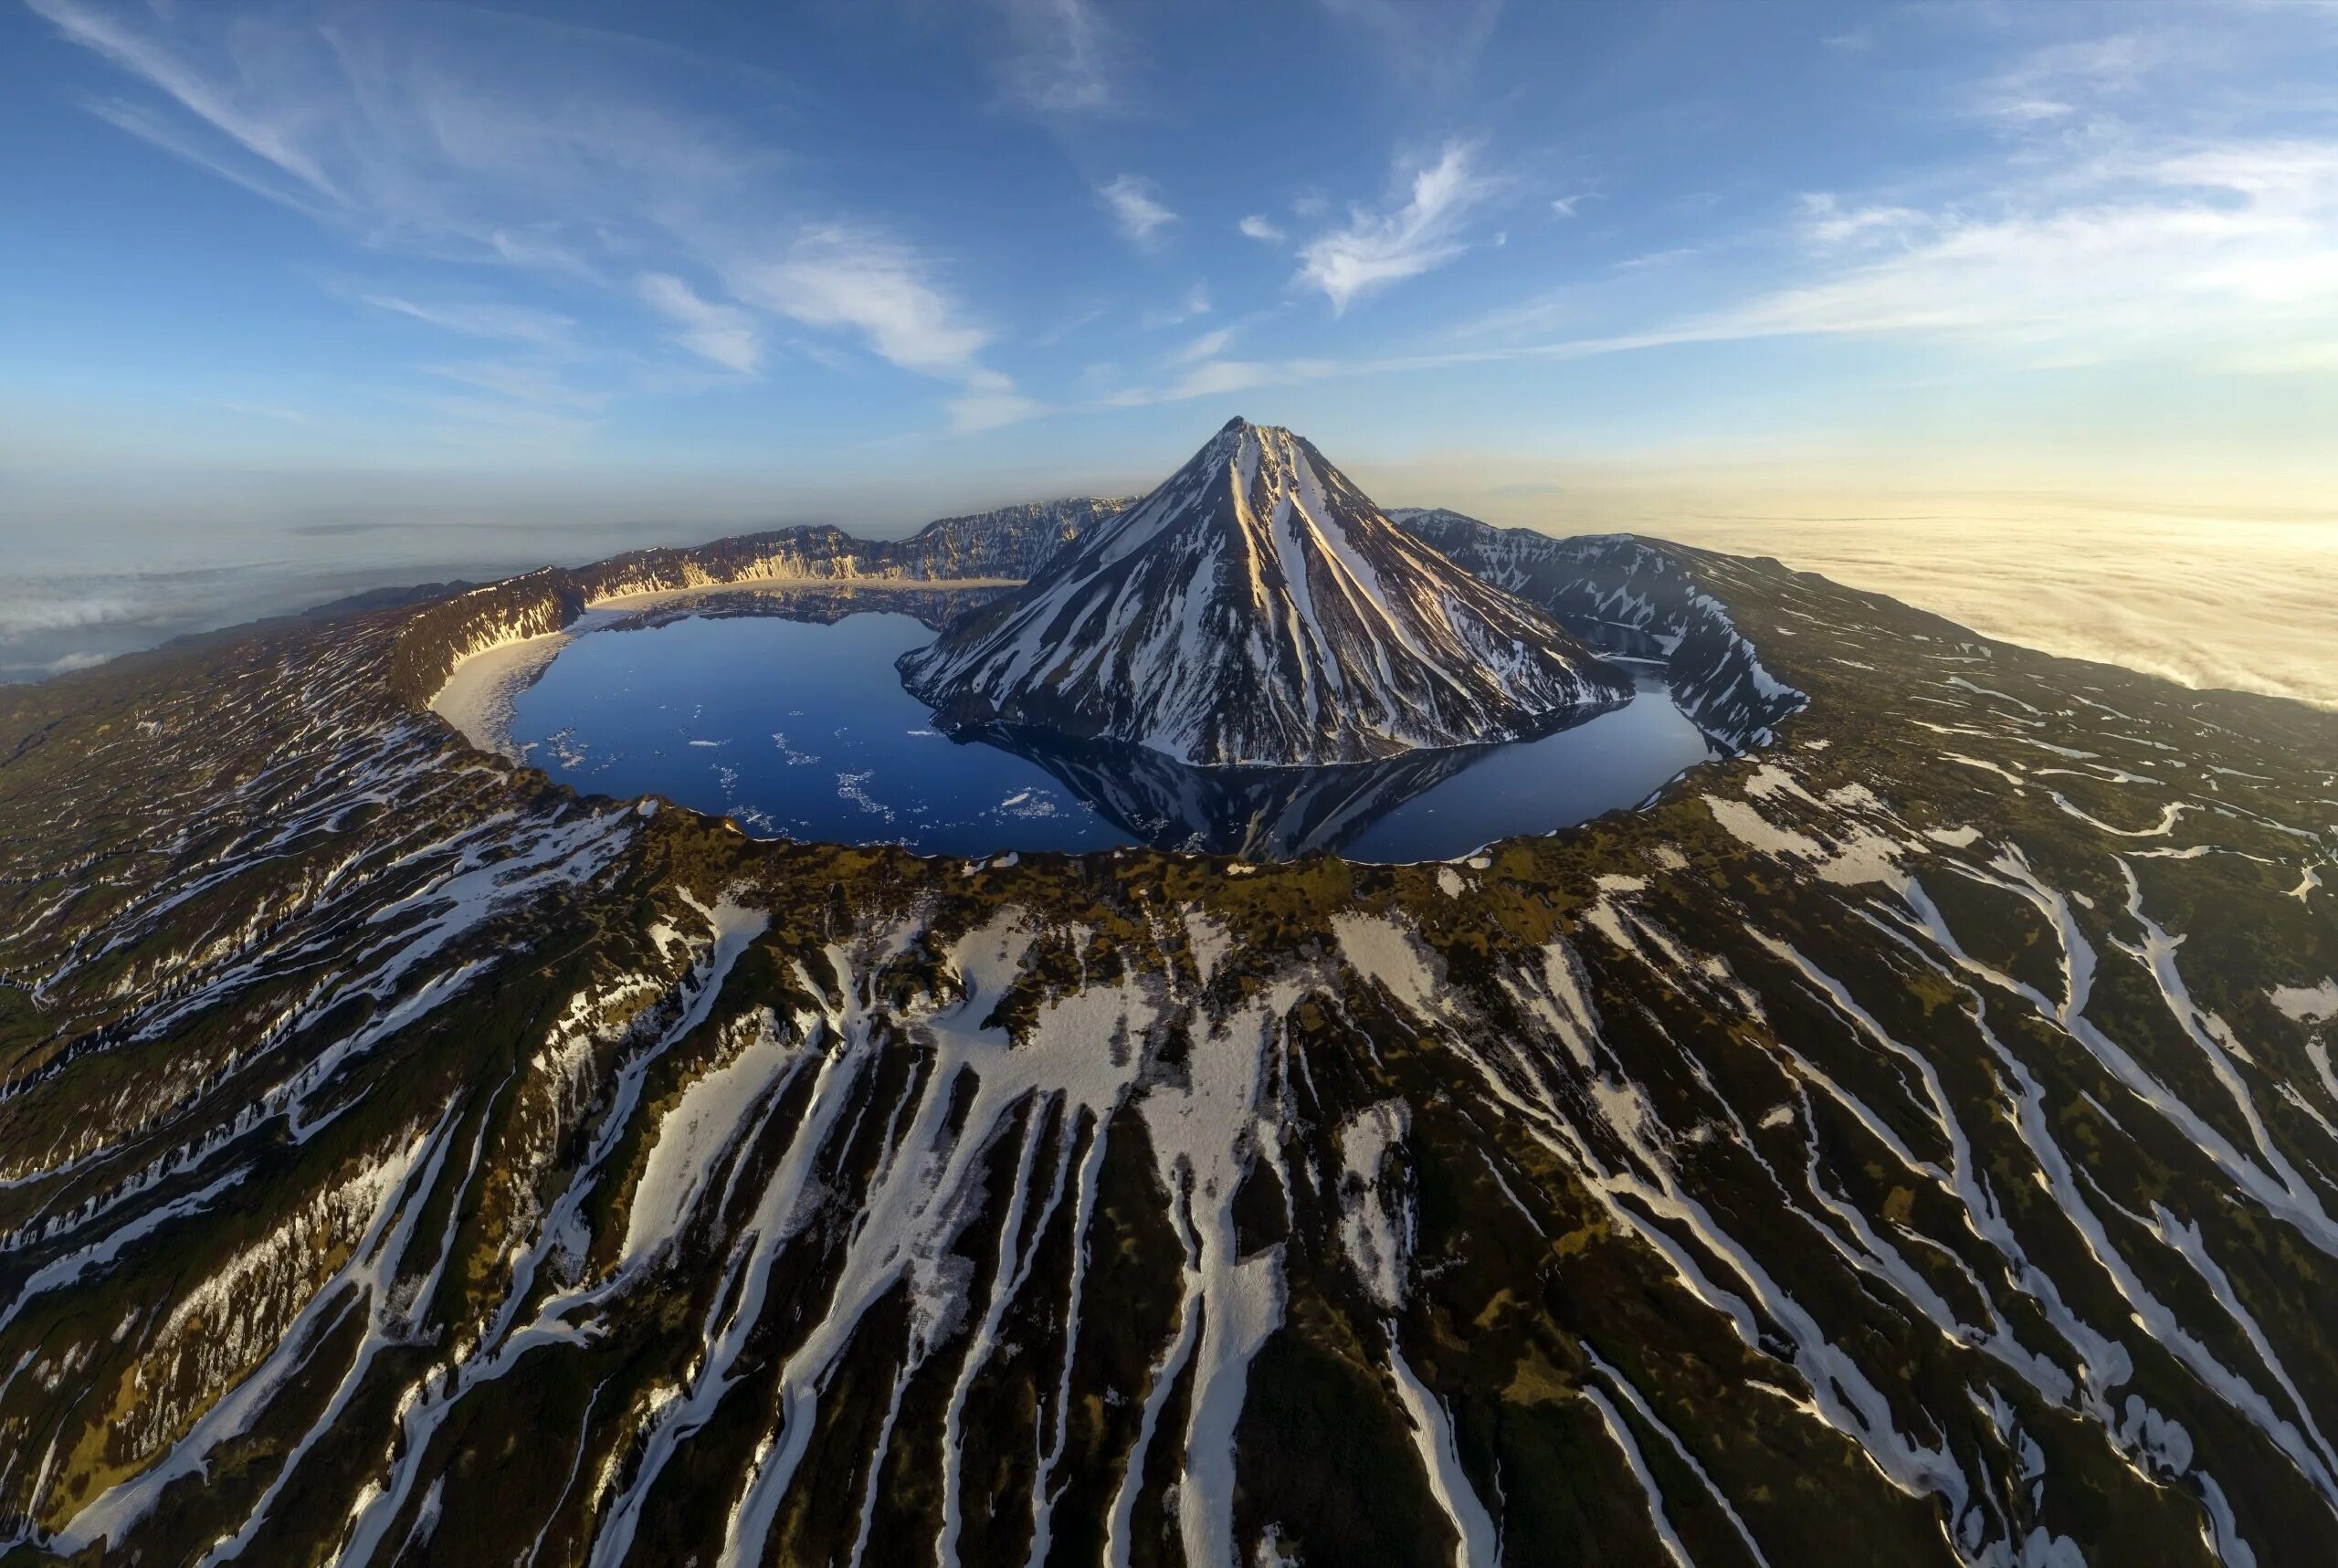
(1911, 1142)
(1257, 609)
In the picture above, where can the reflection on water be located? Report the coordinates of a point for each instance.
(1427, 806)
(795, 729)
(783, 711)
(1258, 813)
(821, 603)
(1614, 760)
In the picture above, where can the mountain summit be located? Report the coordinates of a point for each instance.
(1258, 609)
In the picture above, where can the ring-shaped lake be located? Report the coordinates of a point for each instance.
(783, 711)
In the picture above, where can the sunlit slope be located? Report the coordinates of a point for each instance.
(1258, 609)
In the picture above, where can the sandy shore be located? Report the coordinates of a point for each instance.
(478, 697)
(480, 693)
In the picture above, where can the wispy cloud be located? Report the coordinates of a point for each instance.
(2065, 81)
(525, 392)
(2207, 252)
(420, 137)
(508, 323)
(1826, 221)
(253, 129)
(1209, 345)
(836, 278)
(1650, 261)
(1425, 47)
(2022, 111)
(1256, 226)
(1136, 207)
(150, 127)
(1194, 302)
(1377, 248)
(1219, 377)
(2222, 258)
(1064, 60)
(839, 278)
(1071, 323)
(429, 140)
(721, 333)
(519, 382)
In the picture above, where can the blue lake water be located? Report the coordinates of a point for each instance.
(799, 728)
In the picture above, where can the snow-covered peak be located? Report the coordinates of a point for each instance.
(1259, 608)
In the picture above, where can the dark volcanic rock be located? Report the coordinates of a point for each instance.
(1911, 1144)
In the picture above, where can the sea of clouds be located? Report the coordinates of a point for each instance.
(2252, 606)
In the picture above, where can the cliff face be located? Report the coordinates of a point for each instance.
(1011, 541)
(1004, 546)
(442, 635)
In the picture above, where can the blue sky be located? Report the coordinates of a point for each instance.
(717, 262)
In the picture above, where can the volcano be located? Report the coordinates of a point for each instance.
(1258, 610)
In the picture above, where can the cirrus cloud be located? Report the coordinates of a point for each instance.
(1377, 248)
(1136, 207)
(721, 333)
(457, 139)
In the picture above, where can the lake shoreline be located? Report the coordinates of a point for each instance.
(478, 695)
